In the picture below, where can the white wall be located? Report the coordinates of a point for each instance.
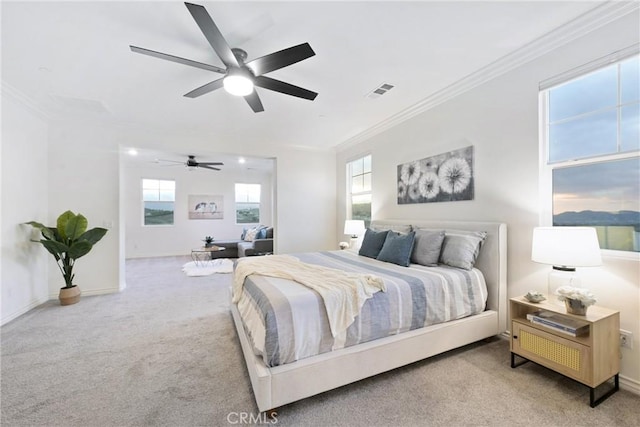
(24, 265)
(83, 178)
(306, 201)
(500, 119)
(186, 234)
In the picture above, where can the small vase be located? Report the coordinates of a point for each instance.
(575, 306)
(69, 296)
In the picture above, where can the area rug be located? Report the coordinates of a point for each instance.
(206, 268)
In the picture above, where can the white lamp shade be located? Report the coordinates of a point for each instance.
(238, 84)
(354, 227)
(567, 247)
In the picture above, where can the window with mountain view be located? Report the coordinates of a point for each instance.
(247, 203)
(359, 189)
(593, 152)
(158, 197)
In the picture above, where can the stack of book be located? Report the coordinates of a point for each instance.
(559, 323)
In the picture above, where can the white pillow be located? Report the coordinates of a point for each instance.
(251, 234)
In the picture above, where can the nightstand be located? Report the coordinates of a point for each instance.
(591, 358)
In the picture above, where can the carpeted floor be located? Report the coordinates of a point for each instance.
(165, 352)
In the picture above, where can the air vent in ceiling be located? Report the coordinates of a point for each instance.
(379, 91)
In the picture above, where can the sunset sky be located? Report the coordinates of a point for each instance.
(609, 187)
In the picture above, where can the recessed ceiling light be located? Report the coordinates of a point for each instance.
(132, 152)
(241, 160)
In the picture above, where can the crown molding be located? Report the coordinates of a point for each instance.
(578, 27)
(22, 98)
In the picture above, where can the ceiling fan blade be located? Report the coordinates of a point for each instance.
(213, 34)
(280, 59)
(177, 59)
(282, 87)
(254, 102)
(169, 161)
(211, 163)
(200, 165)
(209, 87)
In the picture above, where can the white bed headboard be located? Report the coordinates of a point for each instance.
(492, 260)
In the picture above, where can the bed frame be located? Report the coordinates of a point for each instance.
(279, 385)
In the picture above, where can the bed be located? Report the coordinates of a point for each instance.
(274, 386)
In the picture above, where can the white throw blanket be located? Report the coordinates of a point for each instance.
(343, 293)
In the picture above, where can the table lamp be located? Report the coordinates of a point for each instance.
(354, 228)
(565, 248)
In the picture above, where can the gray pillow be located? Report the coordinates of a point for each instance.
(397, 248)
(399, 228)
(426, 250)
(372, 243)
(461, 248)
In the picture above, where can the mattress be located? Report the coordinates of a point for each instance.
(286, 321)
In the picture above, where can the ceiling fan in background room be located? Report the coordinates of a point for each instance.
(192, 163)
(240, 77)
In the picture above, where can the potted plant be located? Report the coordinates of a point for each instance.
(68, 241)
(208, 241)
(576, 300)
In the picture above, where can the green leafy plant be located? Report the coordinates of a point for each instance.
(68, 241)
(208, 240)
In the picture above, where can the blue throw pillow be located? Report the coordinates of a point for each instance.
(397, 248)
(372, 243)
(262, 233)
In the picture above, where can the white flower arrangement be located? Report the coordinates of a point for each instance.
(580, 294)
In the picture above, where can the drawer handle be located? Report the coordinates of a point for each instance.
(515, 337)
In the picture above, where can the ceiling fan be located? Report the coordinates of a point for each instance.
(240, 76)
(192, 163)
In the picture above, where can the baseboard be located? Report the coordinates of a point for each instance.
(91, 292)
(630, 385)
(21, 311)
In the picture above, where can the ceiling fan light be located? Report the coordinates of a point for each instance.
(238, 85)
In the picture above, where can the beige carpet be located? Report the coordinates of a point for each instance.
(164, 352)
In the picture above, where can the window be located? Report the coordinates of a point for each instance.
(247, 203)
(158, 197)
(592, 161)
(359, 190)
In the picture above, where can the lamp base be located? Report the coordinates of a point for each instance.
(354, 243)
(561, 277)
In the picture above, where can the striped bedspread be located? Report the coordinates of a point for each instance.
(287, 321)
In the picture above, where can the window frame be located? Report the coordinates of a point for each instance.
(235, 206)
(546, 167)
(349, 185)
(143, 206)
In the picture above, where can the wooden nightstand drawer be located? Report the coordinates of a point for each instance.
(562, 355)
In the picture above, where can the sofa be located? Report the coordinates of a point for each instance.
(251, 243)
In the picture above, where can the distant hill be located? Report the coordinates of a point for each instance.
(597, 218)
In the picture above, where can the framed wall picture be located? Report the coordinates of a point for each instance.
(446, 177)
(206, 207)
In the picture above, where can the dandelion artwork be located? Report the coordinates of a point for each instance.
(442, 178)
